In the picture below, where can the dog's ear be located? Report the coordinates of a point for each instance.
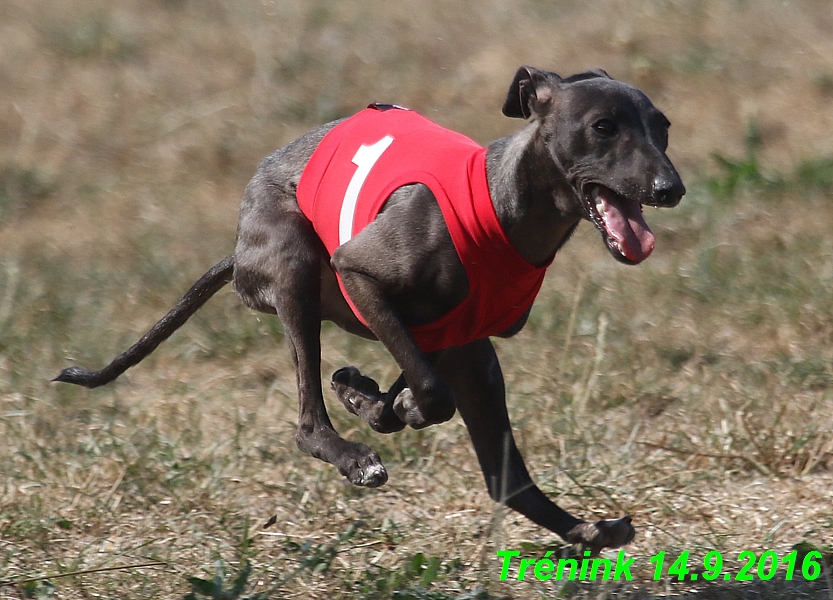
(591, 74)
(530, 91)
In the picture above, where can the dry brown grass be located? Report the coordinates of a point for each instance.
(129, 129)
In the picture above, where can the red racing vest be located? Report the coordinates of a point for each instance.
(360, 163)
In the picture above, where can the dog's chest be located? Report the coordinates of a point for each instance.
(364, 159)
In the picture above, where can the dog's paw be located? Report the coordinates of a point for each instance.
(373, 475)
(437, 406)
(356, 461)
(361, 396)
(596, 536)
(407, 409)
(364, 467)
(354, 390)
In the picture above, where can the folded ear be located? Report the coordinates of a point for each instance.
(591, 74)
(531, 90)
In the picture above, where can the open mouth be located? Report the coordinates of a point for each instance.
(620, 220)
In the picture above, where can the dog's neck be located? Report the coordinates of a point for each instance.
(525, 183)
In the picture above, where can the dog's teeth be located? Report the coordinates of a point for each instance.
(598, 201)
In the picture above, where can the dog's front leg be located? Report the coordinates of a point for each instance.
(477, 382)
(427, 399)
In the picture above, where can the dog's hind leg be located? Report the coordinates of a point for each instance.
(280, 267)
(474, 374)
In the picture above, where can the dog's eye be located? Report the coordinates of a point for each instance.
(660, 137)
(605, 127)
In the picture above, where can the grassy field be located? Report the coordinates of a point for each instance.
(694, 392)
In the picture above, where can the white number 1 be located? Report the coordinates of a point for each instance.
(364, 159)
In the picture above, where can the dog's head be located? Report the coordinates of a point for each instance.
(608, 142)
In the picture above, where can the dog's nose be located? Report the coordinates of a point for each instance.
(668, 190)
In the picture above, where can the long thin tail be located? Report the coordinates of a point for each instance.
(207, 285)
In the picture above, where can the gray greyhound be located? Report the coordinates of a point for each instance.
(594, 149)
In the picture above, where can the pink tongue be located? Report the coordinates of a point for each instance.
(625, 225)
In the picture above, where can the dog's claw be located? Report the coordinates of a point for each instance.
(373, 475)
(612, 533)
(367, 472)
(364, 468)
